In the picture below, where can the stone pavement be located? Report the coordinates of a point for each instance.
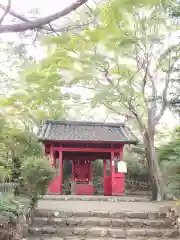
(52, 203)
(134, 198)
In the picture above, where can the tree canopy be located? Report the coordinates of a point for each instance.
(127, 61)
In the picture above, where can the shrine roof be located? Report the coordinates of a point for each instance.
(85, 131)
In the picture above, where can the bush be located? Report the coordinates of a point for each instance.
(9, 207)
(169, 159)
(136, 164)
(12, 218)
(36, 174)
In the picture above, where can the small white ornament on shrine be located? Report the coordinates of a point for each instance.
(112, 163)
(122, 167)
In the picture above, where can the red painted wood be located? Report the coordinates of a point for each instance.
(60, 170)
(118, 187)
(103, 150)
(81, 171)
(107, 185)
(112, 163)
(90, 171)
(54, 186)
(84, 189)
(113, 184)
(90, 158)
(118, 179)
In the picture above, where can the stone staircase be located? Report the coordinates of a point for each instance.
(74, 223)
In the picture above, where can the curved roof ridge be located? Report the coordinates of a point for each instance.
(85, 131)
(83, 123)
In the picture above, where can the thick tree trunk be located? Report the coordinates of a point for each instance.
(154, 191)
(154, 169)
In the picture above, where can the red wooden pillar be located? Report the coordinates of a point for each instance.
(60, 170)
(122, 175)
(54, 186)
(90, 171)
(118, 180)
(112, 168)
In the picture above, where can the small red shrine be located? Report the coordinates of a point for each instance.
(82, 143)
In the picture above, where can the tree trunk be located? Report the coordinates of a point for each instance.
(15, 175)
(154, 189)
(154, 169)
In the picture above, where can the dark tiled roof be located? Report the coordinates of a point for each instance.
(85, 131)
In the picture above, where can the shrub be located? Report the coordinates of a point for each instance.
(13, 218)
(169, 159)
(36, 174)
(9, 207)
(136, 164)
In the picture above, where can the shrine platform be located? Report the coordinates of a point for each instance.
(96, 198)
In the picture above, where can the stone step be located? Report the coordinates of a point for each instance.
(50, 237)
(96, 198)
(105, 222)
(119, 215)
(105, 232)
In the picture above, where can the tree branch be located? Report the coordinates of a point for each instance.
(129, 105)
(41, 21)
(164, 95)
(6, 11)
(164, 102)
(47, 28)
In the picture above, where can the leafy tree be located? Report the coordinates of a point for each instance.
(175, 9)
(127, 62)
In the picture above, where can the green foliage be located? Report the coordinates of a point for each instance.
(97, 167)
(170, 151)
(124, 60)
(175, 9)
(104, 58)
(10, 208)
(4, 173)
(169, 158)
(136, 163)
(36, 174)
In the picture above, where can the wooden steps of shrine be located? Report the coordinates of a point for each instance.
(144, 198)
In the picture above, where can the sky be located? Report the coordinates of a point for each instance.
(48, 7)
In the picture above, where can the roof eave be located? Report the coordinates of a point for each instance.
(55, 140)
